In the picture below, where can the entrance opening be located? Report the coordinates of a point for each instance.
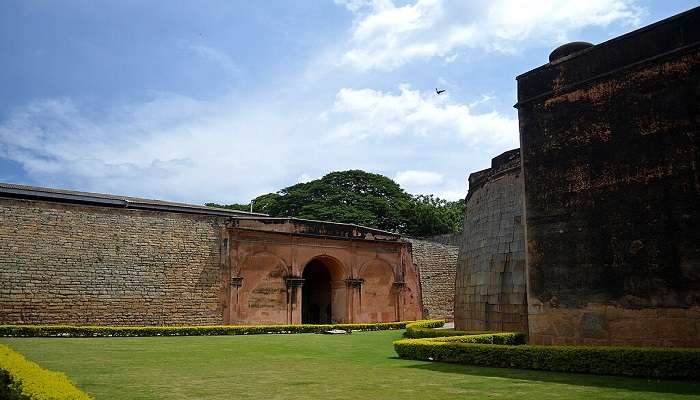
(316, 294)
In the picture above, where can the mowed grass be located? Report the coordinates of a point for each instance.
(306, 366)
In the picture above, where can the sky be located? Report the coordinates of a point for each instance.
(222, 101)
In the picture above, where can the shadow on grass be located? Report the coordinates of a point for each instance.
(602, 381)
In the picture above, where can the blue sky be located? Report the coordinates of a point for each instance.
(222, 101)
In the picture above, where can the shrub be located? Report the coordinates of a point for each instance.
(205, 330)
(629, 361)
(504, 338)
(22, 379)
(424, 329)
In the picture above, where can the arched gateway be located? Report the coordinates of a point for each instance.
(320, 297)
(290, 271)
(316, 304)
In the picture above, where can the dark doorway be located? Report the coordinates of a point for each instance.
(316, 294)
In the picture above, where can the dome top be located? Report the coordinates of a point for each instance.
(568, 49)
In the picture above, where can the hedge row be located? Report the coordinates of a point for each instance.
(629, 361)
(204, 330)
(21, 379)
(424, 329)
(503, 338)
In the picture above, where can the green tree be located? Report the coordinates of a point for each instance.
(362, 198)
(239, 207)
(428, 215)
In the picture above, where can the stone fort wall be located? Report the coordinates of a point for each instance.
(450, 239)
(437, 264)
(610, 139)
(490, 282)
(62, 263)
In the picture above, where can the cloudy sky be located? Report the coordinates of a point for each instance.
(222, 101)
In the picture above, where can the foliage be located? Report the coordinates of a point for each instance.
(204, 330)
(505, 338)
(361, 198)
(507, 350)
(423, 329)
(352, 197)
(430, 216)
(22, 379)
(237, 207)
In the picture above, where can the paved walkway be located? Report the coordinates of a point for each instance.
(448, 325)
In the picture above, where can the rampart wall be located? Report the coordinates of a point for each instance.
(450, 239)
(63, 263)
(85, 258)
(437, 264)
(490, 282)
(610, 141)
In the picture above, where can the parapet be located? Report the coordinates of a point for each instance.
(649, 44)
(501, 164)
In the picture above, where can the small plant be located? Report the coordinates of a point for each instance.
(21, 379)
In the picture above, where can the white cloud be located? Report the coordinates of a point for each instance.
(172, 147)
(217, 57)
(305, 178)
(485, 98)
(177, 148)
(386, 36)
(442, 140)
(358, 5)
(452, 195)
(361, 113)
(417, 178)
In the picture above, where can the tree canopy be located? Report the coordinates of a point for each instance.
(361, 198)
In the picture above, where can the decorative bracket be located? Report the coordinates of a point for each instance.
(354, 282)
(294, 281)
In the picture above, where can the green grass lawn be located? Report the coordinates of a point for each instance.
(361, 365)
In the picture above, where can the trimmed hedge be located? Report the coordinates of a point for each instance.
(508, 350)
(629, 361)
(203, 330)
(21, 379)
(424, 329)
(503, 338)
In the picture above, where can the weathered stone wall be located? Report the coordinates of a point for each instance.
(370, 280)
(62, 263)
(71, 263)
(490, 284)
(611, 165)
(436, 264)
(450, 239)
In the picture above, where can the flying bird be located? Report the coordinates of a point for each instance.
(439, 91)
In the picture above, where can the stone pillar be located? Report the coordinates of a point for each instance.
(234, 280)
(225, 268)
(234, 307)
(294, 284)
(354, 291)
(398, 288)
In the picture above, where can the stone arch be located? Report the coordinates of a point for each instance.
(248, 260)
(378, 299)
(263, 288)
(335, 266)
(323, 298)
